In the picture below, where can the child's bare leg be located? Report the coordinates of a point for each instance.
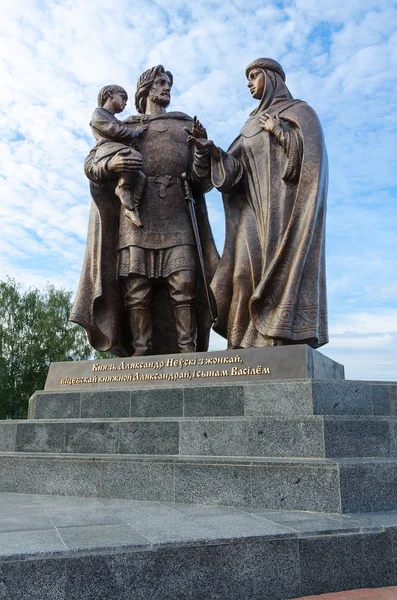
(125, 190)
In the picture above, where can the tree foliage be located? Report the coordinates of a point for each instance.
(34, 331)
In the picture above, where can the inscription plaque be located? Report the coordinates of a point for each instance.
(253, 364)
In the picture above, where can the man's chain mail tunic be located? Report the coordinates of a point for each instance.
(166, 243)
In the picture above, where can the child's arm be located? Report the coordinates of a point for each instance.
(112, 129)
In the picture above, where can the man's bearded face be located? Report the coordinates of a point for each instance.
(160, 91)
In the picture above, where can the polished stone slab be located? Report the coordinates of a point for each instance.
(261, 398)
(324, 485)
(332, 436)
(121, 549)
(233, 366)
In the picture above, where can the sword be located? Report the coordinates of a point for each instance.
(192, 211)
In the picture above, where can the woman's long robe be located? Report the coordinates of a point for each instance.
(270, 283)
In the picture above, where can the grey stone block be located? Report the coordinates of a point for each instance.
(105, 404)
(157, 403)
(246, 570)
(149, 437)
(341, 398)
(213, 438)
(213, 484)
(216, 401)
(93, 438)
(33, 580)
(138, 481)
(296, 487)
(393, 399)
(40, 437)
(161, 575)
(63, 477)
(368, 486)
(292, 398)
(380, 399)
(8, 433)
(379, 569)
(356, 438)
(57, 405)
(285, 437)
(331, 563)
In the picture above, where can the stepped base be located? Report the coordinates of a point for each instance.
(73, 548)
(333, 486)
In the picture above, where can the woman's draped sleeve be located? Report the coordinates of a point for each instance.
(290, 140)
(226, 171)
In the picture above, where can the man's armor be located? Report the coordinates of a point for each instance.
(163, 211)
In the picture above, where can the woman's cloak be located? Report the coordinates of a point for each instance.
(273, 263)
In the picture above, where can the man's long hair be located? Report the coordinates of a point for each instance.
(145, 83)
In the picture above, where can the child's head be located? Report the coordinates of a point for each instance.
(109, 91)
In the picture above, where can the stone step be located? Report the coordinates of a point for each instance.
(334, 486)
(279, 398)
(305, 437)
(53, 547)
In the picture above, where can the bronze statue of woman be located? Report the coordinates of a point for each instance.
(270, 287)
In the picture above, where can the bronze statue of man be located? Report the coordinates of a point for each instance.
(141, 291)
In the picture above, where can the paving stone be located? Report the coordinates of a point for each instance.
(56, 405)
(212, 484)
(92, 438)
(24, 519)
(213, 401)
(105, 404)
(72, 516)
(157, 403)
(22, 543)
(285, 437)
(8, 433)
(101, 536)
(356, 438)
(149, 438)
(216, 438)
(40, 437)
(292, 398)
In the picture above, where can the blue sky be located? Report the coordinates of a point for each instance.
(340, 56)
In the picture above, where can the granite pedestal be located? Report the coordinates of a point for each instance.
(216, 430)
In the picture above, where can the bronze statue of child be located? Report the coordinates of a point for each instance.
(114, 137)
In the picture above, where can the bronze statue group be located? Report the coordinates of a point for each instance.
(152, 280)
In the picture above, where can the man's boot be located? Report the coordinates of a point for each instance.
(186, 327)
(140, 320)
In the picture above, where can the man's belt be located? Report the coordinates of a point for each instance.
(164, 181)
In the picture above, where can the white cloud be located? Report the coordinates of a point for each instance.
(339, 56)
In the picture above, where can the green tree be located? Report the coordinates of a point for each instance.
(34, 331)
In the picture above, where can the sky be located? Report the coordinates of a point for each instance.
(340, 56)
